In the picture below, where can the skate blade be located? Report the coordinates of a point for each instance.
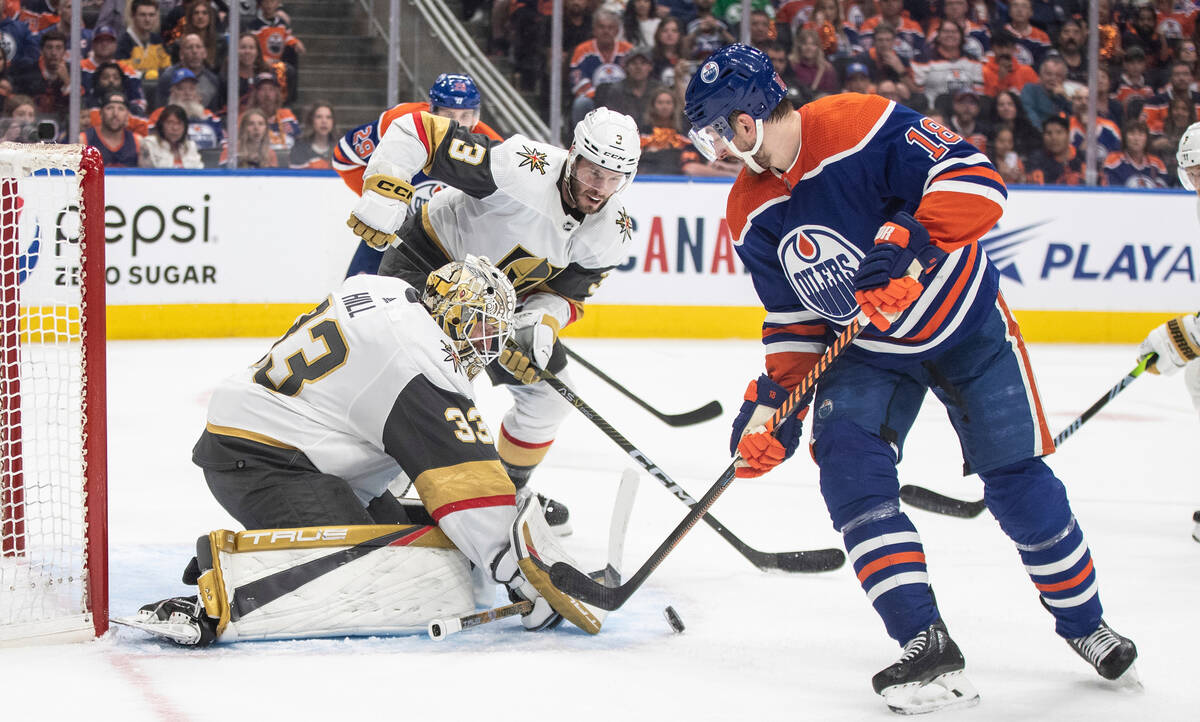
(1130, 682)
(947, 691)
(178, 633)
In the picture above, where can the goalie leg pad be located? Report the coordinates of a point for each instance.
(331, 581)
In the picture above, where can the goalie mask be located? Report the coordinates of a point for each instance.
(473, 303)
(611, 144)
(1189, 154)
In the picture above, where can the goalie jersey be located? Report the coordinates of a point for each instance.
(802, 233)
(504, 203)
(365, 386)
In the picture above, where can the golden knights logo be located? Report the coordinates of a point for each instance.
(452, 356)
(534, 159)
(625, 225)
(526, 270)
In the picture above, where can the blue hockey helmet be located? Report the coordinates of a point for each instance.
(454, 90)
(737, 77)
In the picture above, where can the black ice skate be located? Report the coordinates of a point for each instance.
(180, 619)
(928, 676)
(1111, 654)
(1196, 529)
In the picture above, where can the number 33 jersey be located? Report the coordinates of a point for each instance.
(365, 385)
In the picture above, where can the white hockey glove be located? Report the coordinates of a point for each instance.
(534, 334)
(1177, 342)
(380, 211)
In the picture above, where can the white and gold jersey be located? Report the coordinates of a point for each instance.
(366, 385)
(503, 202)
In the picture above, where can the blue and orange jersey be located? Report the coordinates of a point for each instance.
(1179, 22)
(1154, 112)
(1121, 170)
(1108, 135)
(802, 233)
(131, 80)
(1032, 45)
(353, 151)
(910, 37)
(273, 36)
(591, 67)
(976, 45)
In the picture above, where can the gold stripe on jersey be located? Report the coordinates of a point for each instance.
(211, 584)
(516, 455)
(248, 435)
(436, 129)
(315, 537)
(446, 485)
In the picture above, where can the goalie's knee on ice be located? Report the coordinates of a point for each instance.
(1027, 499)
(858, 470)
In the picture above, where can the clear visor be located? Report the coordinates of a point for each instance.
(602, 180)
(466, 117)
(713, 140)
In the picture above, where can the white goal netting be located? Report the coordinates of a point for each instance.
(50, 518)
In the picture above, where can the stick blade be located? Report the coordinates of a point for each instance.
(581, 586)
(810, 562)
(922, 498)
(707, 412)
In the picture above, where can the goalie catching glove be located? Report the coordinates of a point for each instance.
(762, 451)
(1177, 343)
(889, 276)
(380, 211)
(533, 338)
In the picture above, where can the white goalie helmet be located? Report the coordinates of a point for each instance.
(610, 140)
(473, 302)
(1188, 154)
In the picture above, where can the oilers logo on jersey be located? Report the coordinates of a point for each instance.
(820, 264)
(423, 192)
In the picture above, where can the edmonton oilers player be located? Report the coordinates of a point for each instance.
(452, 96)
(838, 199)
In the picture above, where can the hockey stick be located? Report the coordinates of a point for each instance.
(816, 560)
(711, 410)
(579, 585)
(439, 629)
(930, 500)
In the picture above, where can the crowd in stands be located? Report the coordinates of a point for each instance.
(1007, 75)
(154, 79)
(1010, 76)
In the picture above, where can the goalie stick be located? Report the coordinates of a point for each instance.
(815, 560)
(711, 410)
(439, 629)
(930, 500)
(579, 585)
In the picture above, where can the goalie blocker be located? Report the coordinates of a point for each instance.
(337, 581)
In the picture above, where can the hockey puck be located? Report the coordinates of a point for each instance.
(674, 620)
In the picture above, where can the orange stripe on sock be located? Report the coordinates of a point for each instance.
(890, 560)
(1072, 582)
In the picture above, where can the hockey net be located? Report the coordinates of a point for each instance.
(53, 498)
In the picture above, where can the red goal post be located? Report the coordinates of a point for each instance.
(53, 449)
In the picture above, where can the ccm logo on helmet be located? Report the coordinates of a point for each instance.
(709, 72)
(296, 535)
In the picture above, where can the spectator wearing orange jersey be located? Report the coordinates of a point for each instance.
(1176, 19)
(1134, 86)
(596, 62)
(274, 34)
(1003, 71)
(1032, 43)
(281, 122)
(1179, 85)
(104, 51)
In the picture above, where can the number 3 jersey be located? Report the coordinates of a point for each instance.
(366, 385)
(802, 233)
(503, 203)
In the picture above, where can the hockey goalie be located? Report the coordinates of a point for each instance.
(371, 386)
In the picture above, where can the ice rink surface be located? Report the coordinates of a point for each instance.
(757, 646)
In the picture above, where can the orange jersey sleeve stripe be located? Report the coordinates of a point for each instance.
(935, 323)
(800, 329)
(955, 219)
